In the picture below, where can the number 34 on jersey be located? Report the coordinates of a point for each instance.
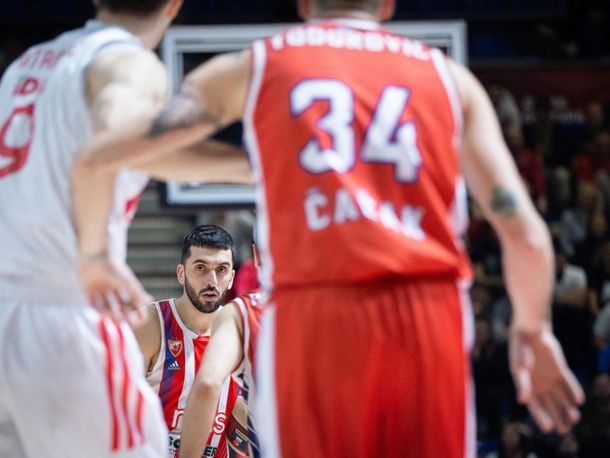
(386, 141)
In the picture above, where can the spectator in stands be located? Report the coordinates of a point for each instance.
(568, 447)
(554, 141)
(572, 227)
(594, 429)
(514, 442)
(601, 328)
(572, 320)
(594, 157)
(493, 387)
(484, 249)
(501, 315)
(600, 273)
(602, 165)
(597, 234)
(595, 118)
(480, 298)
(571, 280)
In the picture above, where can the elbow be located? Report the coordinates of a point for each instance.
(207, 387)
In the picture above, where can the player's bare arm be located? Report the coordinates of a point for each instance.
(208, 162)
(222, 357)
(212, 96)
(148, 336)
(543, 380)
(120, 88)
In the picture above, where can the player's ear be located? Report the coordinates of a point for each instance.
(180, 273)
(173, 8)
(386, 10)
(232, 278)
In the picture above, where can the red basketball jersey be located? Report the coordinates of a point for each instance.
(354, 135)
(250, 307)
(179, 359)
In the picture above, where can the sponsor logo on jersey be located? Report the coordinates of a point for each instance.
(175, 347)
(174, 366)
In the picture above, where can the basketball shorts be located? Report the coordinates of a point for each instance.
(73, 386)
(380, 369)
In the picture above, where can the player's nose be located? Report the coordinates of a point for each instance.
(212, 279)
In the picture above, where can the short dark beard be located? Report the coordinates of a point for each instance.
(203, 307)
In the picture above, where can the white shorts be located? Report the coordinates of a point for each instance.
(72, 386)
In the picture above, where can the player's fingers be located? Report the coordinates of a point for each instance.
(553, 406)
(137, 317)
(572, 389)
(97, 301)
(523, 384)
(569, 403)
(132, 303)
(139, 296)
(540, 416)
(113, 305)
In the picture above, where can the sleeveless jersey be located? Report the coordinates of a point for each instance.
(44, 118)
(250, 308)
(354, 136)
(173, 374)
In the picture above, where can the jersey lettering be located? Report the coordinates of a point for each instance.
(337, 123)
(16, 136)
(321, 212)
(387, 140)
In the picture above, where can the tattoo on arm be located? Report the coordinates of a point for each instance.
(504, 202)
(181, 112)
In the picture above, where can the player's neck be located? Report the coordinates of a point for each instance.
(143, 28)
(198, 322)
(345, 14)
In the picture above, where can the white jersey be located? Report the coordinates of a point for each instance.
(173, 374)
(44, 118)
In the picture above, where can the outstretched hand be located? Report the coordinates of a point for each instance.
(113, 289)
(543, 380)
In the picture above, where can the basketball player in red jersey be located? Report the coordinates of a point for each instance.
(175, 338)
(362, 142)
(231, 351)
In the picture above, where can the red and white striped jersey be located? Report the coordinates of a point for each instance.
(173, 374)
(44, 118)
(250, 308)
(354, 136)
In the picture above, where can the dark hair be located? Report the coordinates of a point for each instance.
(139, 7)
(208, 236)
(366, 5)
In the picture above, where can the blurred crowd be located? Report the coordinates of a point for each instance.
(564, 160)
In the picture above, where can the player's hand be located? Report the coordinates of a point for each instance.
(544, 381)
(113, 289)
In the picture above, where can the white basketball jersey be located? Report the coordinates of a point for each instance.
(44, 118)
(173, 374)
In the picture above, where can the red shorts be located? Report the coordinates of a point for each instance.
(374, 370)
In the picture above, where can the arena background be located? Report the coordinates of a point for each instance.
(546, 65)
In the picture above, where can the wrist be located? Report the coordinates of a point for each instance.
(529, 330)
(90, 256)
